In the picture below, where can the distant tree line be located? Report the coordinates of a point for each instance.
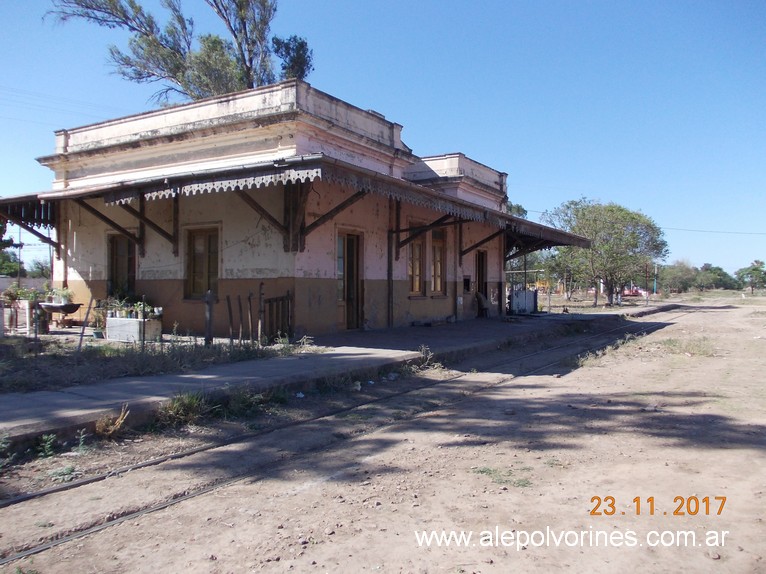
(10, 266)
(628, 250)
(681, 276)
(9, 260)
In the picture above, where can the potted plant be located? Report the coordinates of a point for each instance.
(61, 295)
(131, 321)
(142, 310)
(10, 296)
(16, 293)
(23, 305)
(115, 307)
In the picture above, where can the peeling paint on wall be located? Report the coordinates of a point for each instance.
(271, 123)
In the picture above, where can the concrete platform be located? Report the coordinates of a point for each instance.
(25, 416)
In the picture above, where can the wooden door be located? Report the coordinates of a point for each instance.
(349, 283)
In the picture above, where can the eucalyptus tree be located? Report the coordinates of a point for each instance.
(189, 65)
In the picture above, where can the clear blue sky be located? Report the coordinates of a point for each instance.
(659, 106)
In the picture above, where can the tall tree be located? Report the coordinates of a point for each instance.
(4, 243)
(623, 242)
(8, 260)
(516, 209)
(678, 277)
(754, 276)
(714, 277)
(190, 66)
(10, 264)
(40, 268)
(296, 56)
(248, 23)
(558, 266)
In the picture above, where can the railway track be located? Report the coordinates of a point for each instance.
(391, 409)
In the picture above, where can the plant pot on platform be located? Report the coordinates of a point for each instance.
(130, 330)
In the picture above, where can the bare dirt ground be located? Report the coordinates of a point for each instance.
(617, 462)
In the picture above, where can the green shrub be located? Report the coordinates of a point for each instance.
(185, 409)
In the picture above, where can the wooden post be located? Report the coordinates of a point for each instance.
(260, 314)
(250, 314)
(84, 323)
(390, 281)
(143, 323)
(209, 300)
(231, 321)
(36, 319)
(289, 314)
(241, 320)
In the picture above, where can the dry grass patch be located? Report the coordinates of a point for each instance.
(593, 358)
(693, 347)
(53, 362)
(504, 477)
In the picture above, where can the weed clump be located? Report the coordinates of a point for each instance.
(185, 409)
(46, 446)
(64, 474)
(426, 361)
(6, 456)
(591, 357)
(243, 402)
(109, 426)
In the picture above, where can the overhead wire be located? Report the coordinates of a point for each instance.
(53, 101)
(714, 231)
(13, 96)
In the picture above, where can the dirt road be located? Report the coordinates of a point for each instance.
(646, 458)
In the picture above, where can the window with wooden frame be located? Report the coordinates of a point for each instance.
(438, 277)
(415, 267)
(202, 263)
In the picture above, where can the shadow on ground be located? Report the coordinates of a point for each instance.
(498, 414)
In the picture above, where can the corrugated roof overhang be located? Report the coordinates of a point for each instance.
(38, 210)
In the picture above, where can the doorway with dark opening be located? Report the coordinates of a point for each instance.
(349, 283)
(122, 266)
(481, 284)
